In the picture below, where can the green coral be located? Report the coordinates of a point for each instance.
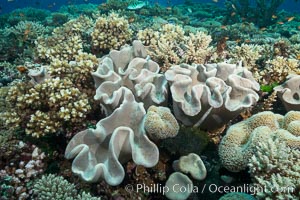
(196, 139)
(51, 187)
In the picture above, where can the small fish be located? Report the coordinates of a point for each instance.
(263, 28)
(233, 6)
(290, 19)
(247, 41)
(137, 5)
(168, 8)
(10, 0)
(223, 27)
(22, 69)
(189, 10)
(216, 1)
(274, 17)
(280, 23)
(298, 27)
(238, 40)
(232, 14)
(298, 57)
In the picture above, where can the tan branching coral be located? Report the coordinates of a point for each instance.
(278, 69)
(51, 106)
(248, 54)
(171, 45)
(110, 32)
(65, 42)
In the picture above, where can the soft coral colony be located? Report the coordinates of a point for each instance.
(146, 92)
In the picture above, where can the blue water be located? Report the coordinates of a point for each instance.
(9, 5)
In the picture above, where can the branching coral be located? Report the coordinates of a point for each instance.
(50, 106)
(56, 187)
(171, 46)
(110, 32)
(66, 41)
(278, 69)
(26, 31)
(275, 167)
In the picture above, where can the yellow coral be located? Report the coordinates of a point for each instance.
(110, 32)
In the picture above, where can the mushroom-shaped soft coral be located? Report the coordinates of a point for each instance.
(176, 181)
(191, 164)
(289, 93)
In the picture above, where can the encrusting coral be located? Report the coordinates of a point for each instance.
(160, 123)
(210, 95)
(275, 168)
(238, 145)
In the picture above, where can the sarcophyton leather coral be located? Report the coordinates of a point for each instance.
(99, 153)
(210, 95)
(238, 145)
(132, 68)
(289, 93)
(275, 167)
(171, 46)
(110, 32)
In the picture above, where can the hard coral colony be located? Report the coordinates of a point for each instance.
(136, 100)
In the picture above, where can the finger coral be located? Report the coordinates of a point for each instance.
(110, 32)
(210, 95)
(238, 145)
(50, 106)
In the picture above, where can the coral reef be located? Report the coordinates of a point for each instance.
(26, 166)
(274, 167)
(241, 139)
(210, 95)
